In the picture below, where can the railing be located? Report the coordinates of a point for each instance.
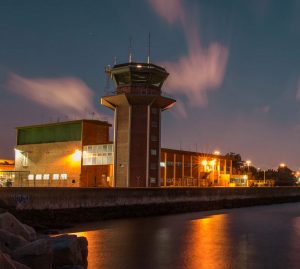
(140, 92)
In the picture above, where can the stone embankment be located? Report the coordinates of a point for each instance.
(22, 248)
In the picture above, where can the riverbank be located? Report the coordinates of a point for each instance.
(63, 207)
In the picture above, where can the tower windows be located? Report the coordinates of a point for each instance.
(154, 110)
(153, 152)
(153, 166)
(154, 138)
(154, 124)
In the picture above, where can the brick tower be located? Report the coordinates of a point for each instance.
(137, 103)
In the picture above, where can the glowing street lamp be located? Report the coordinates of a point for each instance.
(248, 162)
(217, 152)
(282, 165)
(76, 156)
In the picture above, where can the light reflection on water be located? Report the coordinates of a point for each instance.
(258, 237)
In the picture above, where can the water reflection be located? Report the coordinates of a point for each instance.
(260, 237)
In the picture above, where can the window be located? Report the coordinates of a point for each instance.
(55, 176)
(153, 166)
(162, 164)
(153, 138)
(154, 110)
(25, 159)
(46, 176)
(64, 176)
(154, 124)
(38, 177)
(98, 154)
(30, 177)
(153, 152)
(152, 180)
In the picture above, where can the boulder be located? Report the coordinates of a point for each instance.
(7, 263)
(9, 223)
(70, 267)
(83, 244)
(10, 242)
(35, 255)
(67, 250)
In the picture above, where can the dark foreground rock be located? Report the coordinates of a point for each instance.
(22, 248)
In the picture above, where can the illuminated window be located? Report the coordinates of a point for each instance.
(55, 176)
(64, 176)
(30, 177)
(38, 177)
(152, 180)
(25, 159)
(46, 176)
(162, 164)
(98, 154)
(153, 152)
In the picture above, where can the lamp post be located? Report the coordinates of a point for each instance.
(248, 162)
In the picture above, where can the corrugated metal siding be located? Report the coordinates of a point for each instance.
(50, 134)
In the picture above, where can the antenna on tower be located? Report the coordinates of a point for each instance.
(149, 48)
(130, 50)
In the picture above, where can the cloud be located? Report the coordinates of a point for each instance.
(171, 10)
(179, 110)
(68, 95)
(202, 69)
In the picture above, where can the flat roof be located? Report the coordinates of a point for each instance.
(98, 122)
(202, 154)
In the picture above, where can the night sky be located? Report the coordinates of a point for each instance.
(234, 69)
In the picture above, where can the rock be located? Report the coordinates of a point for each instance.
(70, 267)
(9, 223)
(83, 244)
(7, 263)
(10, 242)
(67, 250)
(36, 254)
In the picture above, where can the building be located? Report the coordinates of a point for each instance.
(51, 154)
(137, 102)
(7, 172)
(194, 169)
(80, 154)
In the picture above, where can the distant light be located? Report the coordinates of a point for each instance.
(248, 162)
(76, 156)
(282, 165)
(217, 152)
(139, 66)
(204, 162)
(212, 162)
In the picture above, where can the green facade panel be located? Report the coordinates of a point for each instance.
(49, 134)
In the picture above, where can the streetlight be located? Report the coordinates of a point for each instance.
(248, 162)
(217, 152)
(282, 165)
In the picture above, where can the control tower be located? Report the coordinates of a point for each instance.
(137, 102)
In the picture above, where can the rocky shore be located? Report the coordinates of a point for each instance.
(22, 248)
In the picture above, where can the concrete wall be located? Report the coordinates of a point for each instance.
(50, 158)
(72, 198)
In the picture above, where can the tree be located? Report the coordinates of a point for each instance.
(285, 177)
(237, 162)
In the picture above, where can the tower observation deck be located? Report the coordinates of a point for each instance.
(137, 103)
